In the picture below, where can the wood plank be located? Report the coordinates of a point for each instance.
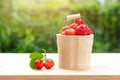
(61, 77)
(16, 67)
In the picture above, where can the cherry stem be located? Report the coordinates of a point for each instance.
(44, 52)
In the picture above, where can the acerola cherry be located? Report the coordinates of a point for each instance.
(64, 28)
(82, 30)
(74, 25)
(79, 21)
(70, 31)
(38, 64)
(64, 32)
(49, 63)
(89, 31)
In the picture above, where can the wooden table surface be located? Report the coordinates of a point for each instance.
(105, 66)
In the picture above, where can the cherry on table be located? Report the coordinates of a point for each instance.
(49, 63)
(38, 64)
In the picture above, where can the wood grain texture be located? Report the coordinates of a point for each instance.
(62, 77)
(74, 51)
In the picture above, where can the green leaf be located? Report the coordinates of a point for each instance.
(36, 55)
(32, 63)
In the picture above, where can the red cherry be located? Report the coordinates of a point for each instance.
(64, 28)
(49, 63)
(70, 31)
(82, 30)
(89, 31)
(38, 64)
(64, 33)
(74, 25)
(79, 21)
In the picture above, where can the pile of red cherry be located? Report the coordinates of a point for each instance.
(38, 61)
(76, 28)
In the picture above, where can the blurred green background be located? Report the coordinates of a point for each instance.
(30, 25)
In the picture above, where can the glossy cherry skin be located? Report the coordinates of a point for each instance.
(49, 63)
(79, 21)
(83, 30)
(38, 64)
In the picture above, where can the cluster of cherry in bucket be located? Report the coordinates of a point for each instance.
(76, 28)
